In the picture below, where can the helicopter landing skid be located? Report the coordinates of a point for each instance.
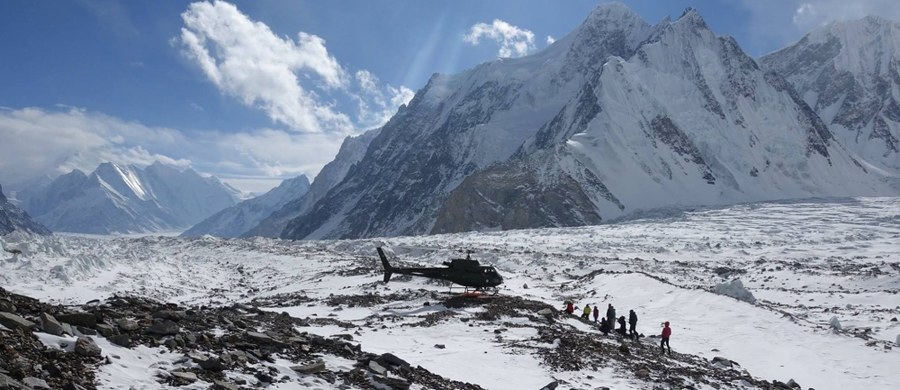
(477, 292)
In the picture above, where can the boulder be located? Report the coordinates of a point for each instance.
(377, 368)
(35, 383)
(440, 346)
(122, 340)
(174, 315)
(389, 359)
(736, 290)
(311, 368)
(222, 385)
(623, 349)
(642, 373)
(391, 383)
(793, 384)
(127, 324)
(261, 338)
(7, 306)
(724, 362)
(183, 377)
(551, 386)
(13, 321)
(164, 328)
(106, 330)
(87, 320)
(85, 346)
(7, 382)
(50, 325)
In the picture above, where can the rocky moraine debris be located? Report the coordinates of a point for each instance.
(239, 346)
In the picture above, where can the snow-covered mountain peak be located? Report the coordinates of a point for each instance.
(849, 73)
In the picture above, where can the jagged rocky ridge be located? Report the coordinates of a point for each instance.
(849, 73)
(618, 116)
(238, 219)
(352, 150)
(125, 199)
(13, 218)
(231, 347)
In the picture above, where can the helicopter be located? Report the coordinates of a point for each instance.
(474, 277)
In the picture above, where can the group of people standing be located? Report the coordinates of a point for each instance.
(607, 323)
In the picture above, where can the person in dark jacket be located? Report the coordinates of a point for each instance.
(632, 324)
(622, 328)
(596, 313)
(604, 326)
(666, 333)
(611, 315)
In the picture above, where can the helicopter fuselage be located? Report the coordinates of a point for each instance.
(464, 272)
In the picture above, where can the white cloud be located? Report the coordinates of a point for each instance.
(811, 14)
(773, 24)
(376, 105)
(246, 60)
(36, 142)
(514, 41)
(550, 40)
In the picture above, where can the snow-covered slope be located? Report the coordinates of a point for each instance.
(122, 199)
(351, 152)
(238, 219)
(849, 73)
(616, 117)
(13, 219)
(805, 262)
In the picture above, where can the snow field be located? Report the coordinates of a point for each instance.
(797, 258)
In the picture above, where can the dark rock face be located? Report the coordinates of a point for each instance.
(510, 196)
(13, 218)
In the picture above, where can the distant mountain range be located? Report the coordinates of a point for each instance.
(127, 199)
(617, 117)
(13, 219)
(621, 116)
(238, 219)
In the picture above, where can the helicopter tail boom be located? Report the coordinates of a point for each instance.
(388, 270)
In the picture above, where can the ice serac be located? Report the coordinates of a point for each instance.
(128, 199)
(849, 73)
(238, 219)
(13, 219)
(351, 152)
(616, 117)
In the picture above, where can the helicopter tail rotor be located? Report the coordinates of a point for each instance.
(388, 270)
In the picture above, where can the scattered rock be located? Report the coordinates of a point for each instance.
(164, 328)
(13, 321)
(261, 338)
(377, 368)
(122, 340)
(88, 320)
(106, 330)
(642, 373)
(127, 325)
(50, 325)
(183, 377)
(623, 349)
(222, 385)
(440, 346)
(792, 384)
(551, 386)
(35, 383)
(7, 306)
(173, 315)
(391, 383)
(311, 368)
(722, 362)
(85, 346)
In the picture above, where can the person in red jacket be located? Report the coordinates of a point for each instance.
(666, 333)
(570, 307)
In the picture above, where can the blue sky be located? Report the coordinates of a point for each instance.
(258, 91)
